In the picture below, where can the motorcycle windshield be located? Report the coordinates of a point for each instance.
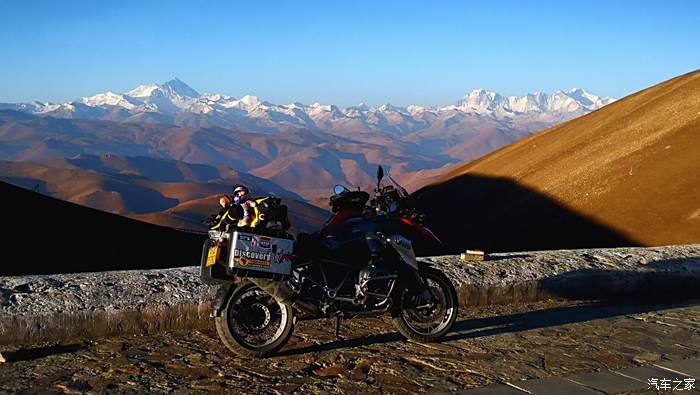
(389, 181)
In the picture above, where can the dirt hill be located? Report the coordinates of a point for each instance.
(117, 184)
(307, 162)
(627, 174)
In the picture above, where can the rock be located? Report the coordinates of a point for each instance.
(361, 369)
(24, 288)
(472, 255)
(2, 359)
(15, 299)
(333, 370)
(646, 358)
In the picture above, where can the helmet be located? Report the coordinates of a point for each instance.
(240, 193)
(225, 200)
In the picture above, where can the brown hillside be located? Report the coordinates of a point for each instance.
(631, 169)
(176, 204)
(303, 161)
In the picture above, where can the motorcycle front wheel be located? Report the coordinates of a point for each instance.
(253, 323)
(431, 322)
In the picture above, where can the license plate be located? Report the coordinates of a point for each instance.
(212, 256)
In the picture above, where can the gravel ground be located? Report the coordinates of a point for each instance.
(489, 345)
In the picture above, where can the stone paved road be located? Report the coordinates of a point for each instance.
(492, 345)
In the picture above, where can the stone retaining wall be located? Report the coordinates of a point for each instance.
(60, 307)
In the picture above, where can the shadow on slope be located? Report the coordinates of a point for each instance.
(498, 215)
(48, 235)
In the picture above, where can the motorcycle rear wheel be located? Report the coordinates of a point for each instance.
(428, 324)
(253, 323)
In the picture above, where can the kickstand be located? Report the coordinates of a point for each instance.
(337, 327)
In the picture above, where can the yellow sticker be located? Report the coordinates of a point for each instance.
(212, 255)
(245, 262)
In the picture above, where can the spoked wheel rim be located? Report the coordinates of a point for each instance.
(433, 319)
(255, 318)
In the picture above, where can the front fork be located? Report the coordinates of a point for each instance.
(423, 295)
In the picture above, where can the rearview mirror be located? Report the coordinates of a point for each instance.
(338, 189)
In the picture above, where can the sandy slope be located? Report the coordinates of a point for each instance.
(632, 167)
(127, 190)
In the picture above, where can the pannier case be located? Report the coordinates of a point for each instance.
(259, 253)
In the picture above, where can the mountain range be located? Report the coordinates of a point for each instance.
(176, 103)
(308, 162)
(305, 148)
(161, 153)
(625, 174)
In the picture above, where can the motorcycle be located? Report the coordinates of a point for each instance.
(362, 263)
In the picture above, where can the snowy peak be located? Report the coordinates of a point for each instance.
(588, 99)
(173, 88)
(574, 101)
(532, 102)
(318, 108)
(142, 91)
(108, 99)
(179, 88)
(249, 101)
(480, 100)
(388, 107)
(360, 107)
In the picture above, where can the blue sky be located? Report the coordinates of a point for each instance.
(402, 52)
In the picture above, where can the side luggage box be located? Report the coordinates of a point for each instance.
(254, 255)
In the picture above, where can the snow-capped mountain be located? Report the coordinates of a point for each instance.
(576, 101)
(170, 97)
(174, 102)
(304, 147)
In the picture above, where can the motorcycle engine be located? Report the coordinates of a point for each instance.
(374, 285)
